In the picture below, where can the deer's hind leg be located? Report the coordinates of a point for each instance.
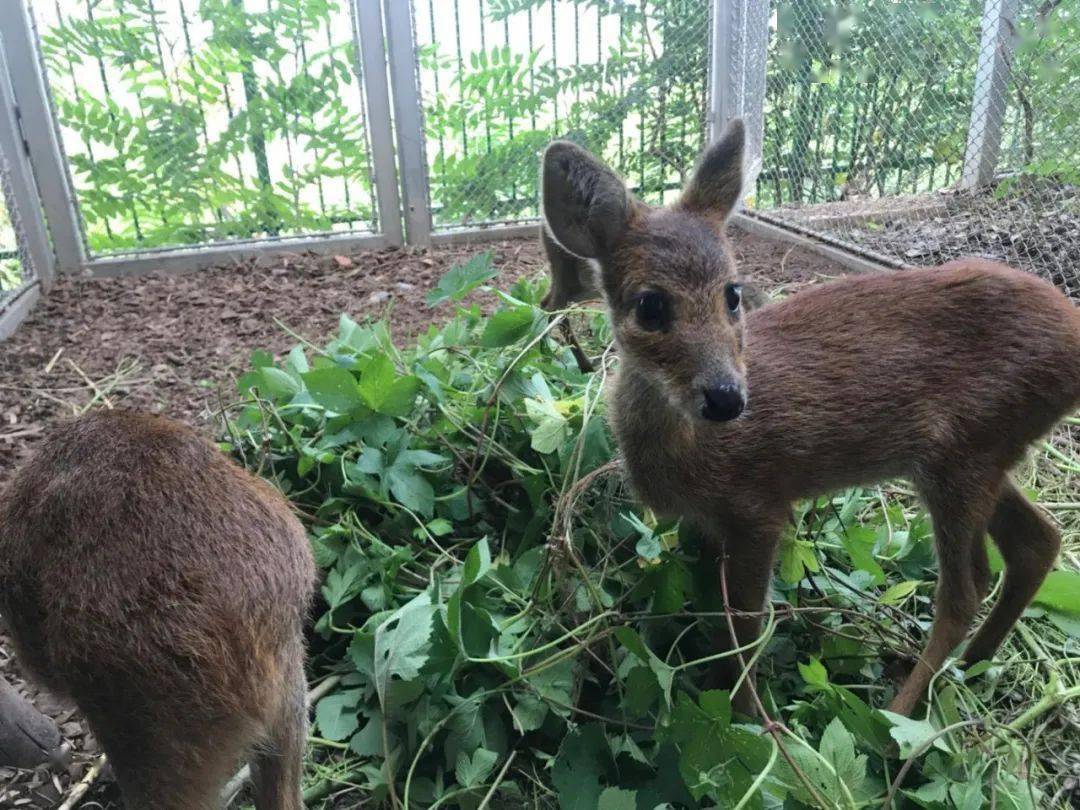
(160, 765)
(1029, 544)
(277, 764)
(960, 505)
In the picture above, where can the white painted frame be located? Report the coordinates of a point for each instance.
(739, 43)
(29, 221)
(25, 71)
(408, 121)
(49, 165)
(989, 101)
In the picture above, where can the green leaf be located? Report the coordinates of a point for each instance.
(334, 388)
(477, 563)
(895, 594)
(1060, 591)
(859, 543)
(529, 713)
(507, 326)
(461, 279)
(472, 771)
(440, 527)
(663, 672)
(796, 558)
(838, 749)
(386, 392)
(617, 799)
(551, 428)
(368, 741)
(411, 489)
(582, 760)
(401, 642)
(814, 673)
(277, 383)
(911, 735)
(337, 716)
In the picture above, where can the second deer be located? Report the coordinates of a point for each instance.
(942, 375)
(165, 590)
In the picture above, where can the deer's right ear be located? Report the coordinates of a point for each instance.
(586, 206)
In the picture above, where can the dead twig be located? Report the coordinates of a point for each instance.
(79, 790)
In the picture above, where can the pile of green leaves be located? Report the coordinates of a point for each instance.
(505, 625)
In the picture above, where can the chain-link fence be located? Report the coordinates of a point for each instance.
(923, 131)
(501, 78)
(190, 122)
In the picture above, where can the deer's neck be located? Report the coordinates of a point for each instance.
(656, 440)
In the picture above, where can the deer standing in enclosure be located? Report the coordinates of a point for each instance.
(943, 375)
(165, 590)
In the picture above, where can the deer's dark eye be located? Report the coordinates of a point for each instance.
(733, 297)
(653, 311)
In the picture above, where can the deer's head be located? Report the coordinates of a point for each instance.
(668, 274)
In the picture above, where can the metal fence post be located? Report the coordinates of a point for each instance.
(752, 108)
(26, 217)
(991, 83)
(408, 120)
(723, 69)
(368, 35)
(740, 34)
(27, 73)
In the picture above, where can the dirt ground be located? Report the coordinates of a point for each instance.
(175, 343)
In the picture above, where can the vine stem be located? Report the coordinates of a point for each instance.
(1047, 703)
(918, 752)
(773, 727)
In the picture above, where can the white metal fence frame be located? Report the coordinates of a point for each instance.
(385, 37)
(45, 152)
(32, 239)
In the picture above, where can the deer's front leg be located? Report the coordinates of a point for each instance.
(743, 556)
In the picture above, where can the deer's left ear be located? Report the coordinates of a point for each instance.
(714, 189)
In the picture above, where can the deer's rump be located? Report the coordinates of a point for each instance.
(873, 375)
(134, 556)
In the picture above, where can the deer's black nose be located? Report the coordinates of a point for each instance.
(723, 402)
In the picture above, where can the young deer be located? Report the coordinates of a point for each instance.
(165, 590)
(942, 375)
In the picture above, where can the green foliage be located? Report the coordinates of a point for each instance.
(488, 112)
(179, 142)
(505, 620)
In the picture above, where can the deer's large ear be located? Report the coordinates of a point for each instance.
(715, 187)
(586, 205)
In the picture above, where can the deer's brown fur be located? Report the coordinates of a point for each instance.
(942, 375)
(165, 590)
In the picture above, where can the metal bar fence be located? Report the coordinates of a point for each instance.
(191, 133)
(499, 79)
(214, 122)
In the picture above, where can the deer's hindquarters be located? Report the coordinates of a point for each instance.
(165, 590)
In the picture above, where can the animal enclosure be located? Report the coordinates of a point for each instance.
(354, 185)
(174, 133)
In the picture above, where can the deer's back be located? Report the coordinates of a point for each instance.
(133, 554)
(908, 368)
(871, 377)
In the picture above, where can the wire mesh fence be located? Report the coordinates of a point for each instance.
(500, 78)
(195, 121)
(924, 131)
